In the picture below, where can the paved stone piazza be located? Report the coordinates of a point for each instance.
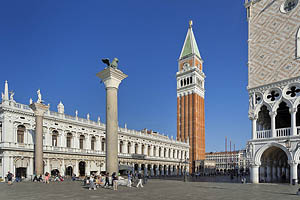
(154, 189)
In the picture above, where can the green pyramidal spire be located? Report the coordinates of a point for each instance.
(190, 46)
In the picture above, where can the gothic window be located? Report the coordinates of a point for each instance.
(20, 134)
(81, 140)
(174, 153)
(69, 139)
(93, 140)
(103, 144)
(121, 147)
(54, 138)
(298, 43)
(169, 153)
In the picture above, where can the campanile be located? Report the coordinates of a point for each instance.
(190, 99)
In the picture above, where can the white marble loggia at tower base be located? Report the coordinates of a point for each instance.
(112, 78)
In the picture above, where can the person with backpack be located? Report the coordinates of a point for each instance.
(140, 180)
(9, 178)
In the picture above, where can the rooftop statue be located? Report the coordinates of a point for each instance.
(39, 96)
(113, 64)
(12, 95)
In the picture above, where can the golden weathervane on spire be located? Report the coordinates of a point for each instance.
(190, 23)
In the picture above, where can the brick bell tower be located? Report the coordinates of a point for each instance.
(190, 99)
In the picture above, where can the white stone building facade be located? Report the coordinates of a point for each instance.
(227, 161)
(73, 145)
(274, 89)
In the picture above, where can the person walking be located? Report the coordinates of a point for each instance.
(9, 178)
(140, 180)
(106, 180)
(92, 183)
(129, 180)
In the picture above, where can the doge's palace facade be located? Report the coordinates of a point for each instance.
(74, 145)
(274, 89)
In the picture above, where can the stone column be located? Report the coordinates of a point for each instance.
(293, 112)
(269, 176)
(273, 123)
(254, 174)
(294, 172)
(254, 135)
(39, 109)
(152, 171)
(112, 78)
(274, 173)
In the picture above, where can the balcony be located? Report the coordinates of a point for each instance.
(280, 132)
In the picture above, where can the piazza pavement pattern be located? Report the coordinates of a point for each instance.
(154, 189)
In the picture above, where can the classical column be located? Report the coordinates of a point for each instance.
(274, 174)
(294, 173)
(76, 168)
(112, 78)
(273, 123)
(254, 120)
(269, 176)
(293, 112)
(152, 171)
(254, 174)
(39, 109)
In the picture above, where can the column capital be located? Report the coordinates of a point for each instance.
(39, 109)
(274, 113)
(292, 163)
(293, 110)
(111, 77)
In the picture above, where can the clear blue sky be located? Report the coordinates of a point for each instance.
(57, 46)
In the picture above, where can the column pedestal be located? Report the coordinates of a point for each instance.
(254, 174)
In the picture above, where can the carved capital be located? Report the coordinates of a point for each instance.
(273, 114)
(293, 110)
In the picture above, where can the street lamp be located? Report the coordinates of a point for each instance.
(186, 161)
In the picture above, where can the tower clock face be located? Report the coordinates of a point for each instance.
(186, 65)
(288, 5)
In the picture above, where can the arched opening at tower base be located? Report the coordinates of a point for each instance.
(274, 166)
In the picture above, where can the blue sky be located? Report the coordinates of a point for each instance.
(57, 46)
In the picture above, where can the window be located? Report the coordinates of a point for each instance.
(20, 134)
(93, 140)
(288, 5)
(54, 138)
(103, 144)
(136, 148)
(69, 139)
(154, 151)
(121, 147)
(81, 139)
(129, 149)
(159, 152)
(149, 147)
(191, 80)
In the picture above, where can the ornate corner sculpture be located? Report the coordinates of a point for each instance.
(113, 64)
